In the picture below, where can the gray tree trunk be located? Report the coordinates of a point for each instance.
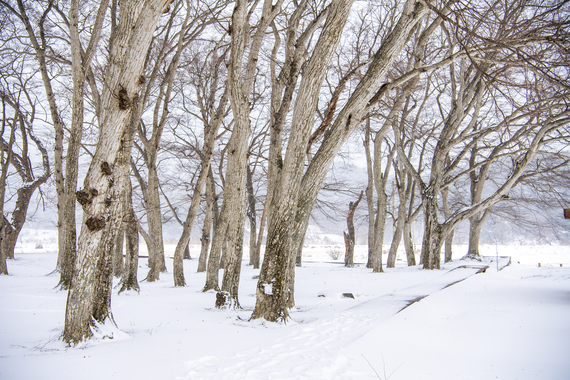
(129, 280)
(369, 194)
(349, 118)
(208, 222)
(156, 259)
(409, 244)
(240, 82)
(204, 178)
(118, 252)
(275, 285)
(80, 63)
(252, 216)
(350, 237)
(399, 230)
(89, 298)
(5, 163)
(448, 252)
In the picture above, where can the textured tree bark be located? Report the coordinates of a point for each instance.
(369, 194)
(157, 263)
(252, 216)
(350, 238)
(118, 252)
(5, 163)
(39, 46)
(240, 82)
(448, 252)
(402, 211)
(275, 285)
(208, 222)
(23, 164)
(129, 279)
(433, 238)
(89, 297)
(349, 118)
(80, 63)
(187, 253)
(409, 244)
(204, 178)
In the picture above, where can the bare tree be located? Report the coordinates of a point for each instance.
(241, 72)
(274, 288)
(350, 237)
(19, 114)
(105, 183)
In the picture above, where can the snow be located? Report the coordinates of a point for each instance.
(511, 324)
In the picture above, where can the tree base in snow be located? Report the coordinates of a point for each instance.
(472, 256)
(225, 301)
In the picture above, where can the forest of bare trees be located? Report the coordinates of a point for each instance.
(226, 117)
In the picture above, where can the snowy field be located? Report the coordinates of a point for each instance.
(512, 324)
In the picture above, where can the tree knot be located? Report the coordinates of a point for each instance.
(95, 223)
(124, 101)
(85, 196)
(106, 168)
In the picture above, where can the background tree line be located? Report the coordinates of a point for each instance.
(236, 111)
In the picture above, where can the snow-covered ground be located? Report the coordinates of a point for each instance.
(512, 324)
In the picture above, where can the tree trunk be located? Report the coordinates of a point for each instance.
(40, 48)
(240, 84)
(230, 282)
(208, 222)
(204, 178)
(433, 239)
(409, 244)
(129, 279)
(275, 285)
(350, 238)
(257, 254)
(187, 252)
(154, 218)
(3, 265)
(24, 195)
(118, 252)
(5, 163)
(252, 216)
(89, 298)
(475, 224)
(448, 254)
(402, 211)
(80, 64)
(369, 194)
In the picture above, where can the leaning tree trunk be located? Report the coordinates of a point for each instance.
(89, 298)
(12, 229)
(275, 285)
(272, 301)
(205, 178)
